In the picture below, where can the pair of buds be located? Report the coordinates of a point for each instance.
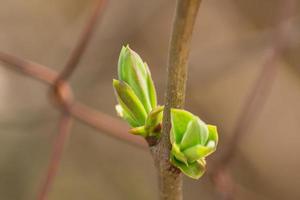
(192, 140)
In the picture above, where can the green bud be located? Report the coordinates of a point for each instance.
(192, 140)
(133, 71)
(136, 95)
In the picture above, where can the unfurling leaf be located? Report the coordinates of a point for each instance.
(136, 95)
(192, 140)
(133, 71)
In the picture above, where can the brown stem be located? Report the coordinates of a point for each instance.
(96, 119)
(255, 101)
(63, 95)
(82, 42)
(170, 180)
(58, 147)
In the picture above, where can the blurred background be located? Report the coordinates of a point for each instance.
(231, 45)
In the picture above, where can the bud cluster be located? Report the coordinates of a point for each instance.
(192, 140)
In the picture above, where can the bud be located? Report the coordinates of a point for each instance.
(136, 94)
(133, 71)
(192, 140)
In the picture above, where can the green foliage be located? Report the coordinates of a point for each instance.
(192, 140)
(133, 71)
(136, 94)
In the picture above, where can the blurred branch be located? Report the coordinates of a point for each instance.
(83, 41)
(106, 124)
(30, 68)
(100, 121)
(255, 101)
(262, 86)
(63, 96)
(58, 147)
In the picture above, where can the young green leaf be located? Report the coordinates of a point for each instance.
(129, 102)
(194, 170)
(179, 120)
(151, 88)
(192, 135)
(192, 140)
(135, 73)
(178, 154)
(136, 95)
(126, 115)
(198, 151)
(139, 131)
(213, 134)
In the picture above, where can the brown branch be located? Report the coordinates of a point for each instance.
(30, 68)
(109, 125)
(58, 147)
(100, 121)
(255, 101)
(83, 41)
(254, 104)
(62, 94)
(262, 86)
(170, 180)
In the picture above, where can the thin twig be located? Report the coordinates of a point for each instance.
(100, 121)
(262, 86)
(106, 124)
(62, 95)
(170, 180)
(35, 70)
(58, 147)
(83, 41)
(255, 101)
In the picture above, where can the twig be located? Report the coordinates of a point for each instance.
(27, 67)
(83, 41)
(100, 121)
(170, 180)
(106, 124)
(62, 94)
(255, 101)
(262, 86)
(58, 146)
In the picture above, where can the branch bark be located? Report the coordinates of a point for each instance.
(255, 102)
(170, 180)
(106, 124)
(56, 156)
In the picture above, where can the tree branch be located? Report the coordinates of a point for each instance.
(83, 41)
(57, 150)
(255, 101)
(170, 180)
(98, 120)
(62, 94)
